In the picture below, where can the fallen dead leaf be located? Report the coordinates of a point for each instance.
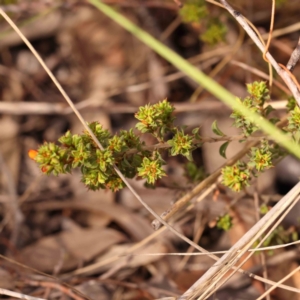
(69, 249)
(135, 225)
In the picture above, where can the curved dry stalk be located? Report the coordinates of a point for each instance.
(282, 73)
(223, 280)
(207, 282)
(270, 32)
(283, 31)
(261, 74)
(269, 42)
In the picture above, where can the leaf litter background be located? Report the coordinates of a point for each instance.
(57, 226)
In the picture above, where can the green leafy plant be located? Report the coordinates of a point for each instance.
(224, 222)
(197, 12)
(194, 11)
(126, 150)
(260, 158)
(279, 236)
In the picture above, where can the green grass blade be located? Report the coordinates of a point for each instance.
(191, 71)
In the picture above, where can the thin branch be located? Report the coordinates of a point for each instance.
(56, 286)
(45, 108)
(294, 58)
(260, 74)
(270, 32)
(276, 247)
(283, 31)
(18, 295)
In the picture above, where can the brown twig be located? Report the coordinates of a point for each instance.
(44, 108)
(201, 140)
(12, 261)
(18, 295)
(270, 32)
(291, 75)
(260, 74)
(54, 285)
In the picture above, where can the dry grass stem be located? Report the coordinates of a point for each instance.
(282, 73)
(18, 295)
(278, 283)
(207, 282)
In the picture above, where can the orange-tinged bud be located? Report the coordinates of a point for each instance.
(32, 154)
(44, 169)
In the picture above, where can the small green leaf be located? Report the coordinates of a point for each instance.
(223, 148)
(268, 110)
(216, 129)
(195, 130)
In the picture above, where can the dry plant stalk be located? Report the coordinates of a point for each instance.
(221, 267)
(18, 295)
(208, 283)
(285, 75)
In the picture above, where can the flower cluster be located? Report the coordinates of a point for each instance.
(261, 158)
(237, 176)
(156, 119)
(123, 150)
(194, 11)
(182, 144)
(258, 95)
(279, 236)
(97, 166)
(224, 222)
(127, 152)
